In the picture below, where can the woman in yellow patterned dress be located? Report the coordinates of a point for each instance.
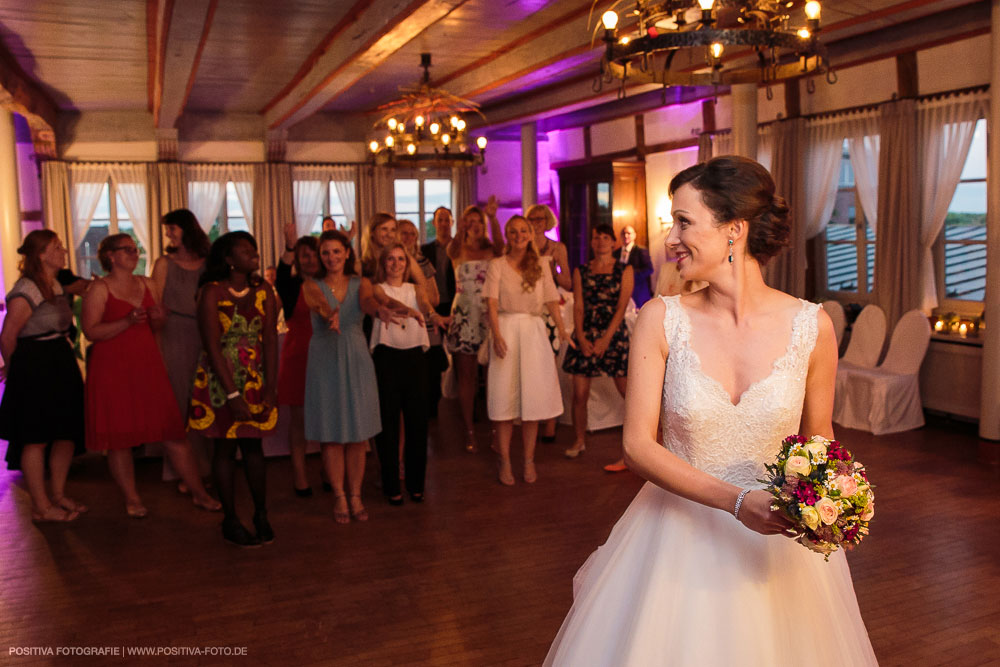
(234, 399)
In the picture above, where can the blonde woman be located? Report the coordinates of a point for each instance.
(470, 252)
(522, 382)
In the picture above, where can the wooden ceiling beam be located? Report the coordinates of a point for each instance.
(19, 93)
(372, 39)
(181, 56)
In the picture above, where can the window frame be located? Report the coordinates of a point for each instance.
(865, 293)
(113, 203)
(222, 217)
(423, 223)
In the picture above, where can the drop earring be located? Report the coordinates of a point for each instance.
(730, 251)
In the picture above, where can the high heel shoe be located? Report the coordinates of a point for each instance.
(506, 474)
(530, 473)
(617, 466)
(136, 510)
(264, 531)
(574, 452)
(395, 501)
(303, 493)
(358, 514)
(235, 533)
(341, 516)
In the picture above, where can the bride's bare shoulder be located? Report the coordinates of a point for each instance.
(649, 324)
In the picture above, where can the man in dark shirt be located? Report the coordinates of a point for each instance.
(437, 252)
(638, 258)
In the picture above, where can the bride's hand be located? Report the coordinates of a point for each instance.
(757, 515)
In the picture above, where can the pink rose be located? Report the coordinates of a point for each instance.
(869, 512)
(846, 484)
(828, 511)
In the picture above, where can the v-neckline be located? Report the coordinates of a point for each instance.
(134, 305)
(334, 294)
(756, 383)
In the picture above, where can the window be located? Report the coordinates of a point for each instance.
(231, 217)
(849, 241)
(964, 256)
(107, 220)
(418, 197)
(333, 208)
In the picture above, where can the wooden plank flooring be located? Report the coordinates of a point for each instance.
(479, 574)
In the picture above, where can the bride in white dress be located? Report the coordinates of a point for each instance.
(680, 581)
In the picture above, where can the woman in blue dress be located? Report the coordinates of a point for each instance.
(341, 400)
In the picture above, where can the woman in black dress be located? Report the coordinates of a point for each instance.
(601, 290)
(43, 398)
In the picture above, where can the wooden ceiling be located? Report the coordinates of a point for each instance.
(284, 62)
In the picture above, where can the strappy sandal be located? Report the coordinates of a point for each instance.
(53, 514)
(361, 514)
(341, 516)
(70, 505)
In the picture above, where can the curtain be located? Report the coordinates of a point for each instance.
(275, 209)
(722, 144)
(86, 181)
(824, 142)
(345, 183)
(863, 143)
(266, 229)
(897, 252)
(206, 184)
(384, 189)
(787, 271)
(242, 177)
(945, 129)
(464, 185)
(130, 183)
(309, 190)
(765, 145)
(56, 203)
(166, 192)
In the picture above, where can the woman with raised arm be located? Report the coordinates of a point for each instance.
(234, 400)
(42, 407)
(470, 252)
(299, 262)
(523, 382)
(601, 291)
(341, 400)
(699, 551)
(175, 276)
(129, 398)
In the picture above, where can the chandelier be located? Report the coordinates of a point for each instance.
(425, 128)
(645, 50)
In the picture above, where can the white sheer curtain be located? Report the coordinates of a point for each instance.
(309, 189)
(824, 146)
(722, 144)
(206, 191)
(765, 146)
(130, 183)
(945, 128)
(345, 182)
(863, 146)
(86, 183)
(242, 178)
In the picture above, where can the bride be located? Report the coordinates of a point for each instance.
(697, 571)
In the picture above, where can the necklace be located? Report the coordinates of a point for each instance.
(240, 294)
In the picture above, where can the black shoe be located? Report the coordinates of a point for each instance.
(304, 493)
(417, 497)
(234, 533)
(395, 500)
(328, 487)
(547, 438)
(264, 531)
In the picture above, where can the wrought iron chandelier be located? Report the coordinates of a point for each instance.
(425, 128)
(644, 50)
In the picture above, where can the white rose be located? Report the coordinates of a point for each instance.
(817, 450)
(797, 465)
(810, 516)
(828, 510)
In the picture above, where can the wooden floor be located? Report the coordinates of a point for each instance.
(479, 574)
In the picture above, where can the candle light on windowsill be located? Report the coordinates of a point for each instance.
(939, 325)
(963, 329)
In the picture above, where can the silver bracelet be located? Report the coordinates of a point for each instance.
(739, 503)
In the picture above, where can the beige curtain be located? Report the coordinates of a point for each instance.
(375, 193)
(167, 192)
(272, 190)
(897, 251)
(787, 271)
(464, 184)
(55, 204)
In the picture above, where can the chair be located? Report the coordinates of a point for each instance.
(836, 313)
(886, 399)
(867, 338)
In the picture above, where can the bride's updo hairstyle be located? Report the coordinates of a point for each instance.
(737, 188)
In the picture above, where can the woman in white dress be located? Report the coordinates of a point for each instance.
(697, 571)
(522, 382)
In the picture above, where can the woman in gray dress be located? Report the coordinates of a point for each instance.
(176, 275)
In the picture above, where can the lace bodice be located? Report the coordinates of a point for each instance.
(700, 423)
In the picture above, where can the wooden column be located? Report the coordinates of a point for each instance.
(10, 202)
(745, 119)
(529, 165)
(989, 414)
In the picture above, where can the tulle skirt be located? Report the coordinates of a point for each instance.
(678, 583)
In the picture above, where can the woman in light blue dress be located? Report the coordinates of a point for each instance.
(341, 399)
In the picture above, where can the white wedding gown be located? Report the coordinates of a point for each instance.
(678, 583)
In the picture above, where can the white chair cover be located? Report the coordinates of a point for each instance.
(836, 313)
(867, 338)
(886, 399)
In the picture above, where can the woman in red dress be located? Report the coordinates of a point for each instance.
(302, 255)
(128, 396)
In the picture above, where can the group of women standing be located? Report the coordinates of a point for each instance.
(354, 365)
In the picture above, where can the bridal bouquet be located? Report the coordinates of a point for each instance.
(823, 490)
